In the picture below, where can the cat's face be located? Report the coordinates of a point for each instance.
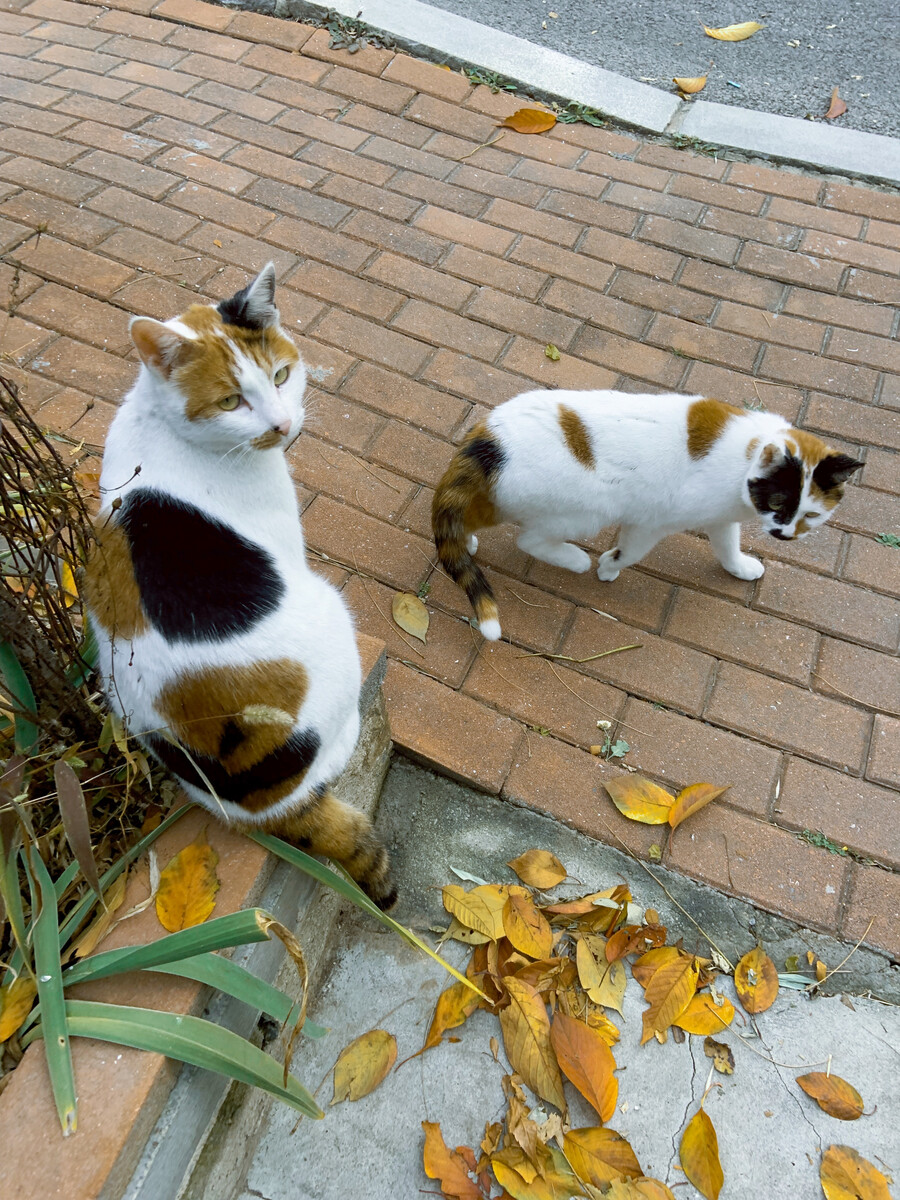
(796, 487)
(229, 376)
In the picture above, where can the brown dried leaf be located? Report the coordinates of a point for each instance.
(846, 1175)
(480, 909)
(720, 1053)
(638, 1189)
(647, 965)
(587, 1062)
(833, 1095)
(539, 869)
(526, 1038)
(600, 1156)
(363, 1065)
(113, 898)
(610, 992)
(590, 973)
(668, 994)
(689, 86)
(704, 1016)
(448, 1166)
(73, 810)
(836, 108)
(515, 1173)
(691, 799)
(530, 120)
(526, 927)
(187, 886)
(639, 799)
(454, 1005)
(699, 1155)
(16, 999)
(410, 614)
(633, 938)
(756, 981)
(734, 33)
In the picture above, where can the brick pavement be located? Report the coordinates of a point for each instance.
(165, 150)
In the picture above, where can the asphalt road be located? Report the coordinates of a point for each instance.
(790, 67)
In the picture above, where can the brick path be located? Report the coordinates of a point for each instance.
(167, 149)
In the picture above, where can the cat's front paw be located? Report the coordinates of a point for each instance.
(607, 568)
(746, 567)
(471, 543)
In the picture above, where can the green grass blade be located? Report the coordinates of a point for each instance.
(17, 958)
(15, 914)
(50, 997)
(345, 887)
(22, 698)
(191, 1040)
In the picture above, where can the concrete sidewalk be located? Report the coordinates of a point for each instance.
(155, 152)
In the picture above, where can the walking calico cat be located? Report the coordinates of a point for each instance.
(565, 464)
(222, 652)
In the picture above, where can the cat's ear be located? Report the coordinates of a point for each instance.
(253, 307)
(157, 344)
(834, 469)
(771, 457)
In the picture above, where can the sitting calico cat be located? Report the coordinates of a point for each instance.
(565, 464)
(223, 653)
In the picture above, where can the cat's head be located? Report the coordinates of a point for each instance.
(227, 375)
(796, 483)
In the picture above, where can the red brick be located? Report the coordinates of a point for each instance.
(680, 750)
(427, 322)
(884, 757)
(530, 359)
(720, 195)
(86, 368)
(682, 160)
(25, 92)
(557, 262)
(456, 228)
(687, 239)
(138, 211)
(547, 176)
(598, 309)
(634, 598)
(77, 315)
(348, 291)
(747, 228)
(205, 42)
(630, 358)
(883, 234)
(860, 422)
(545, 150)
(103, 86)
(152, 297)
(22, 340)
(805, 370)
(170, 104)
(860, 254)
(663, 297)
(428, 77)
(419, 455)
(594, 212)
(132, 24)
(697, 341)
(742, 855)
(864, 201)
(521, 316)
(370, 59)
(731, 284)
(874, 893)
(312, 125)
(408, 157)
(778, 181)
(322, 467)
(347, 535)
(194, 12)
(831, 605)
(567, 783)
(62, 10)
(153, 254)
(40, 177)
(15, 63)
(439, 194)
(882, 471)
(273, 60)
(278, 148)
(340, 420)
(539, 223)
(868, 512)
(630, 172)
(158, 77)
(44, 121)
(67, 222)
(472, 379)
(358, 194)
(483, 268)
(530, 617)
(416, 280)
(303, 238)
(852, 347)
(83, 418)
(883, 289)
(214, 174)
(68, 265)
(39, 145)
(773, 327)
(636, 256)
(791, 266)
(783, 715)
(296, 202)
(379, 93)
(591, 137)
(327, 367)
(819, 552)
(235, 100)
(216, 241)
(369, 340)
(257, 27)
(873, 565)
(138, 177)
(809, 216)
(393, 235)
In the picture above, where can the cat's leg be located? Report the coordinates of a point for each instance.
(329, 827)
(553, 550)
(634, 542)
(725, 540)
(471, 543)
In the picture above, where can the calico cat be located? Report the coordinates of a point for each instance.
(565, 464)
(230, 660)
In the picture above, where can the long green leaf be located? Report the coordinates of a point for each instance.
(12, 899)
(187, 1039)
(17, 958)
(22, 697)
(350, 891)
(50, 996)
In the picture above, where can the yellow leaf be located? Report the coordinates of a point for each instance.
(720, 1053)
(554, 1181)
(103, 922)
(410, 614)
(526, 927)
(648, 964)
(586, 1061)
(833, 1095)
(756, 981)
(447, 1165)
(551, 352)
(704, 1016)
(530, 120)
(689, 86)
(638, 1189)
(363, 1065)
(480, 909)
(216, 242)
(699, 1156)
(691, 799)
(461, 933)
(526, 1038)
(589, 973)
(454, 1005)
(16, 1000)
(836, 108)
(846, 1175)
(668, 993)
(639, 799)
(187, 886)
(610, 992)
(539, 869)
(599, 1156)
(734, 33)
(67, 585)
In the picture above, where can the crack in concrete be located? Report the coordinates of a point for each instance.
(687, 1109)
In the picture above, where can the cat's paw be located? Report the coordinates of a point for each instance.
(607, 568)
(471, 543)
(572, 558)
(746, 567)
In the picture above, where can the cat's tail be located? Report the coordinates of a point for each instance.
(463, 502)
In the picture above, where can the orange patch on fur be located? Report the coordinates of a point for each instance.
(808, 447)
(751, 447)
(110, 588)
(705, 421)
(267, 440)
(576, 435)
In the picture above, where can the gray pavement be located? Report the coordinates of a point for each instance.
(770, 1135)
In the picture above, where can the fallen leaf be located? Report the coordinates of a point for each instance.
(216, 242)
(410, 614)
(640, 800)
(689, 87)
(187, 886)
(833, 1095)
(756, 981)
(539, 869)
(836, 108)
(699, 1154)
(600, 1156)
(526, 926)
(526, 1037)
(633, 938)
(587, 1061)
(461, 933)
(734, 33)
(691, 799)
(363, 1065)
(480, 909)
(720, 1053)
(454, 1005)
(446, 1165)
(552, 352)
(554, 1181)
(105, 919)
(846, 1175)
(668, 994)
(610, 992)
(530, 120)
(648, 964)
(821, 972)
(638, 1189)
(704, 1016)
(16, 999)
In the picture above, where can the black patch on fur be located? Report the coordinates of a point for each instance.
(834, 470)
(292, 757)
(246, 314)
(488, 454)
(617, 554)
(232, 736)
(199, 580)
(779, 492)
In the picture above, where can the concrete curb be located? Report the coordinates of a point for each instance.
(433, 33)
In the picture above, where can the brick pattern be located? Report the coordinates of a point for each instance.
(153, 153)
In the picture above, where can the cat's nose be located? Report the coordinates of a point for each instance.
(284, 428)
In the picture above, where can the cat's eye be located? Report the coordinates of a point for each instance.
(281, 375)
(811, 516)
(230, 403)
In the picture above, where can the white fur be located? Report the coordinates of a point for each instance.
(210, 463)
